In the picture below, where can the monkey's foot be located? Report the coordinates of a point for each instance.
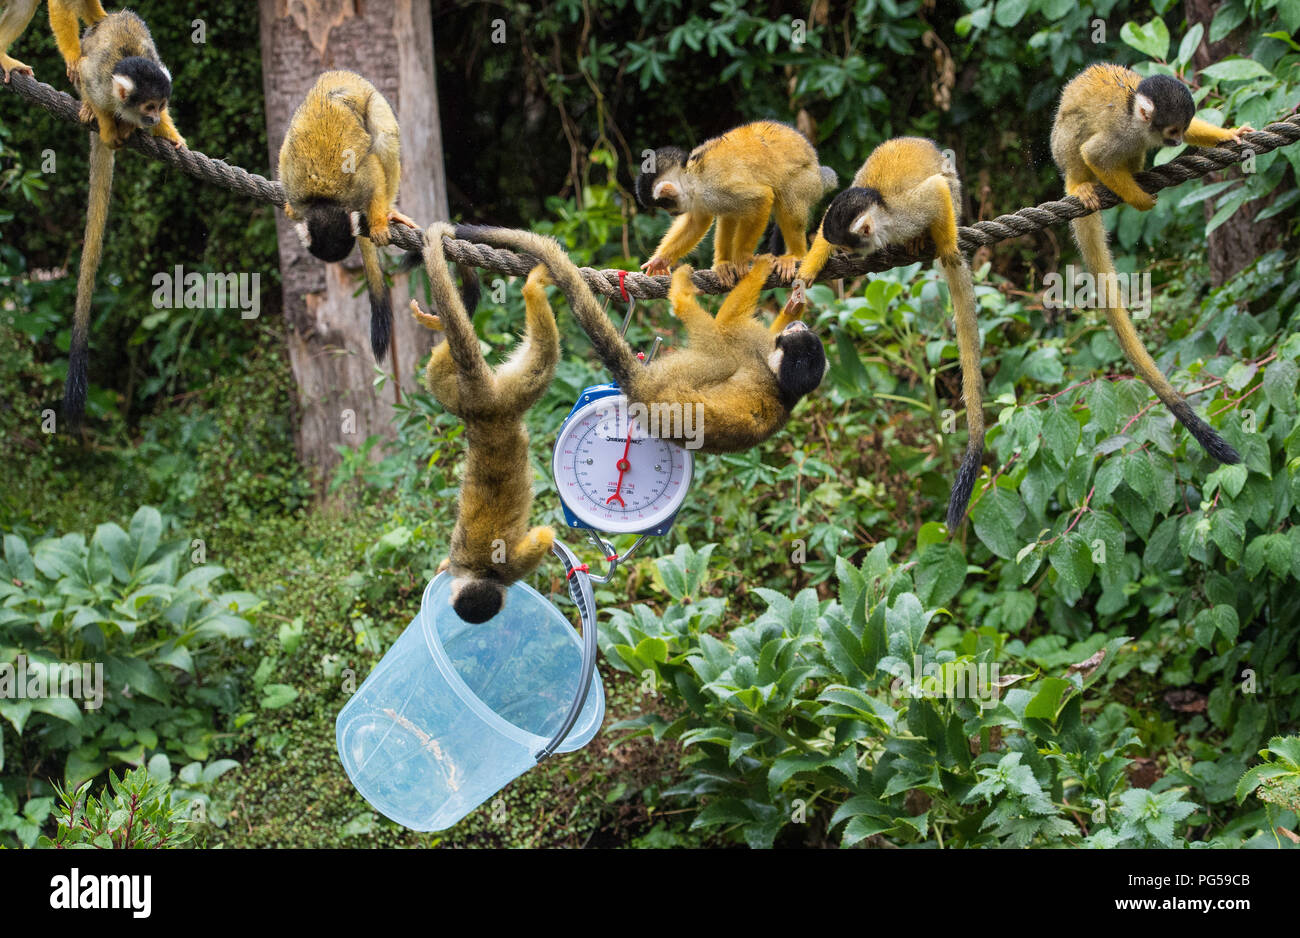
(916, 246)
(786, 266)
(425, 319)
(728, 273)
(401, 219)
(1144, 202)
(1087, 194)
(86, 114)
(656, 266)
(9, 65)
(74, 71)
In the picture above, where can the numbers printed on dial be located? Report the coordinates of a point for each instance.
(614, 477)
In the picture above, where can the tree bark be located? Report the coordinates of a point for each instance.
(391, 45)
(1236, 243)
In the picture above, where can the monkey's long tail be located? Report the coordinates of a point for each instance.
(609, 345)
(961, 287)
(101, 187)
(381, 304)
(1091, 236)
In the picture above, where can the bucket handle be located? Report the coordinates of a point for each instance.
(585, 600)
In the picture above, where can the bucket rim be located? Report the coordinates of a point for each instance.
(579, 735)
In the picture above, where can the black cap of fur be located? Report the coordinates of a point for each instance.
(479, 600)
(844, 210)
(803, 364)
(151, 82)
(665, 157)
(329, 227)
(1174, 105)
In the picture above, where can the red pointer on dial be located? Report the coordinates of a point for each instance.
(623, 466)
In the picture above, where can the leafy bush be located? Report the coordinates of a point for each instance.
(142, 608)
(854, 718)
(134, 813)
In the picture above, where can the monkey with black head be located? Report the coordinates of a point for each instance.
(340, 165)
(906, 191)
(124, 87)
(1108, 119)
(492, 545)
(744, 379)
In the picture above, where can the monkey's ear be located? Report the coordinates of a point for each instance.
(1144, 108)
(303, 234)
(122, 86)
(355, 218)
(862, 225)
(163, 68)
(664, 190)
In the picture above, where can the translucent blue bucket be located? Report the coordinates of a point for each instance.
(454, 712)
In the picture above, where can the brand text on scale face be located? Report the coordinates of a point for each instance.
(665, 421)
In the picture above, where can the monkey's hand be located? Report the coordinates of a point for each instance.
(427, 320)
(395, 215)
(1236, 133)
(9, 65)
(87, 113)
(656, 266)
(446, 562)
(786, 266)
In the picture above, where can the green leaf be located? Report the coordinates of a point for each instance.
(1060, 433)
(1235, 70)
(1047, 702)
(1010, 12)
(1187, 48)
(1151, 40)
(1279, 384)
(941, 573)
(997, 516)
(275, 696)
(1071, 558)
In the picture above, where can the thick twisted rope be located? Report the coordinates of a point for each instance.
(1194, 163)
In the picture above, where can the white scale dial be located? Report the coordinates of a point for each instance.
(613, 476)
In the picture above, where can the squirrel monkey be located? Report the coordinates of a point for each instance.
(908, 189)
(740, 178)
(492, 545)
(744, 378)
(1108, 119)
(124, 85)
(64, 16)
(340, 164)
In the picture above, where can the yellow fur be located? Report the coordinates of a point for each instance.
(742, 178)
(491, 540)
(64, 16)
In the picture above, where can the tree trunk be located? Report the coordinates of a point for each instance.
(391, 45)
(1236, 243)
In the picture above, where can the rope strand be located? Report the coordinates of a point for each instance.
(1194, 163)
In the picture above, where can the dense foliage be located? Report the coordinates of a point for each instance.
(777, 667)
